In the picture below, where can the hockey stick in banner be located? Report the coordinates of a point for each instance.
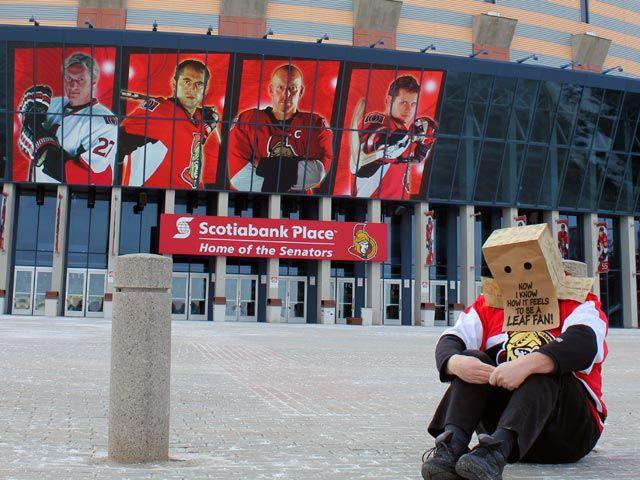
(129, 95)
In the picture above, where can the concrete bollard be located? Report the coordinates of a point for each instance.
(140, 359)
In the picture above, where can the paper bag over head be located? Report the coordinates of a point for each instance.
(528, 278)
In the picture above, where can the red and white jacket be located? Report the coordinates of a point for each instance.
(578, 345)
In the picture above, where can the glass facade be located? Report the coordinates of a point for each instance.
(35, 231)
(88, 237)
(536, 144)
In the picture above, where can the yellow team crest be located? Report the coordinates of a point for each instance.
(364, 246)
(520, 344)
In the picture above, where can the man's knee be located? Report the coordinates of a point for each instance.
(483, 357)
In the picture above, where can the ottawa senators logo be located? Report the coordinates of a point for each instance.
(364, 246)
(281, 147)
(191, 174)
(520, 344)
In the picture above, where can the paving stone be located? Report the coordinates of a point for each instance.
(262, 401)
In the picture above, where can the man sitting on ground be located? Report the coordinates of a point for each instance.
(524, 362)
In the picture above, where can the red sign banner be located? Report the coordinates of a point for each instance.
(272, 238)
(602, 247)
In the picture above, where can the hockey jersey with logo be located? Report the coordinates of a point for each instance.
(258, 135)
(479, 327)
(161, 152)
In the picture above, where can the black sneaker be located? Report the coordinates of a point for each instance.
(439, 463)
(484, 462)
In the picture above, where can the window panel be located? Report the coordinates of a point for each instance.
(617, 182)
(577, 165)
(556, 159)
(531, 178)
(455, 95)
(503, 91)
(592, 181)
(545, 110)
(479, 88)
(587, 116)
(444, 163)
(465, 169)
(474, 120)
(510, 173)
(497, 122)
(628, 121)
(489, 168)
(561, 133)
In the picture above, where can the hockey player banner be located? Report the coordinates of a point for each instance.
(64, 129)
(430, 237)
(281, 140)
(172, 134)
(602, 247)
(563, 237)
(521, 221)
(269, 238)
(390, 131)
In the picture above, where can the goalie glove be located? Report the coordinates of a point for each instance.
(423, 135)
(210, 119)
(35, 104)
(43, 149)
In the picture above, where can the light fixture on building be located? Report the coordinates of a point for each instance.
(91, 197)
(40, 195)
(267, 33)
(533, 56)
(570, 64)
(155, 26)
(209, 30)
(484, 51)
(426, 49)
(607, 70)
(33, 20)
(88, 24)
(142, 202)
(323, 37)
(379, 42)
(192, 202)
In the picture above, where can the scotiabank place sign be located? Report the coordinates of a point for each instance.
(270, 238)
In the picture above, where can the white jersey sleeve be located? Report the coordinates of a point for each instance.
(101, 146)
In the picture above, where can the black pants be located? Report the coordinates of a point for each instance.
(549, 413)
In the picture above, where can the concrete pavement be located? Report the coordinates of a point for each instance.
(263, 401)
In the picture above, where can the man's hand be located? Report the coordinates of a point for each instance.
(510, 375)
(469, 369)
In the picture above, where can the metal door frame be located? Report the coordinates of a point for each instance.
(181, 316)
(94, 271)
(23, 311)
(200, 276)
(432, 296)
(238, 299)
(286, 301)
(384, 283)
(75, 313)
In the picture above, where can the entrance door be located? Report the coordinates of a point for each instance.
(392, 296)
(96, 284)
(189, 294)
(85, 292)
(75, 292)
(179, 296)
(438, 294)
(198, 290)
(30, 284)
(42, 284)
(344, 303)
(242, 293)
(293, 292)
